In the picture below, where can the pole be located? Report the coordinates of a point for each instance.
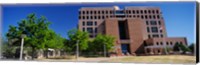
(104, 50)
(21, 49)
(77, 50)
(165, 46)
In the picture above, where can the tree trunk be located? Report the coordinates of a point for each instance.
(33, 52)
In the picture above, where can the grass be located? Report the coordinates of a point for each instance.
(155, 59)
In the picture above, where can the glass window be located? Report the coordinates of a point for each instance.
(147, 22)
(161, 35)
(158, 16)
(159, 22)
(155, 35)
(153, 22)
(95, 23)
(83, 12)
(161, 43)
(89, 23)
(157, 43)
(148, 29)
(154, 29)
(95, 30)
(149, 36)
(83, 29)
(89, 29)
(83, 23)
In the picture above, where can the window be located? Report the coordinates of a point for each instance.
(157, 43)
(95, 23)
(95, 17)
(133, 11)
(83, 12)
(91, 12)
(89, 23)
(99, 17)
(148, 29)
(158, 16)
(137, 11)
(145, 11)
(181, 43)
(145, 16)
(138, 16)
(91, 17)
(103, 17)
(102, 12)
(157, 11)
(167, 43)
(147, 22)
(159, 22)
(110, 12)
(154, 17)
(171, 43)
(161, 43)
(149, 36)
(149, 11)
(91, 36)
(154, 29)
(83, 29)
(149, 16)
(155, 35)
(153, 11)
(89, 29)
(87, 17)
(95, 30)
(153, 22)
(83, 23)
(106, 12)
(129, 11)
(87, 12)
(95, 12)
(98, 12)
(161, 35)
(142, 17)
(83, 17)
(141, 11)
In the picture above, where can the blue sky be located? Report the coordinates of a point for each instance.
(179, 17)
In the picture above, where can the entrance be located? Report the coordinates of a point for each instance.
(125, 48)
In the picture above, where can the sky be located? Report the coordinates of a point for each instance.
(179, 17)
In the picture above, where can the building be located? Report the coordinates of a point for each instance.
(138, 30)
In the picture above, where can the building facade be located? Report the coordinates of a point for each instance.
(138, 30)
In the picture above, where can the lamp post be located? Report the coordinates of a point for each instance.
(164, 46)
(77, 49)
(22, 44)
(104, 47)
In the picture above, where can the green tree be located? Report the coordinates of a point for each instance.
(176, 47)
(77, 35)
(192, 47)
(38, 34)
(100, 41)
(184, 48)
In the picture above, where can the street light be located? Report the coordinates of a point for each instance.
(22, 44)
(104, 47)
(163, 41)
(77, 49)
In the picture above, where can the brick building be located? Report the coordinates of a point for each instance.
(138, 30)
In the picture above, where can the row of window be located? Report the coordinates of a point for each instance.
(138, 16)
(90, 30)
(153, 22)
(142, 11)
(127, 11)
(89, 23)
(167, 43)
(145, 16)
(155, 36)
(153, 30)
(96, 12)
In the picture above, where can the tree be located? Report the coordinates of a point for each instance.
(184, 48)
(176, 47)
(100, 41)
(38, 34)
(192, 47)
(74, 36)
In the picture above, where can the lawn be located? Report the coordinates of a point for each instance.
(155, 59)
